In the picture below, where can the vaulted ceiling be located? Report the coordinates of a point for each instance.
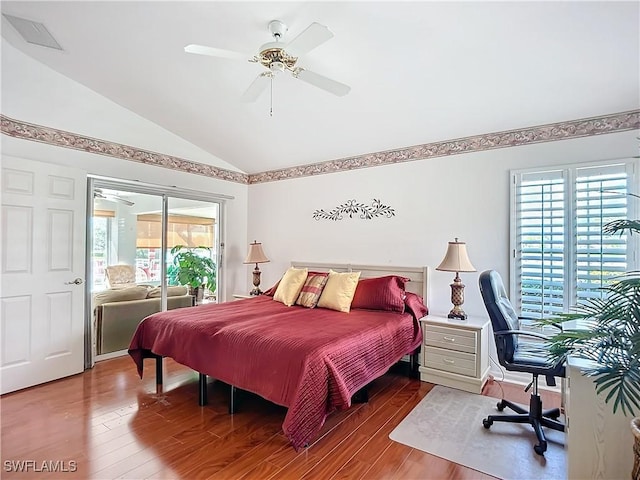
(419, 72)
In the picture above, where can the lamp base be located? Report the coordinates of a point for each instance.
(457, 313)
(457, 298)
(256, 282)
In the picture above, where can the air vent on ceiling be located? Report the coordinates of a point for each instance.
(33, 32)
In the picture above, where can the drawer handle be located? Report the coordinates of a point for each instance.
(448, 339)
(449, 361)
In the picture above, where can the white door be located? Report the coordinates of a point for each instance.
(43, 254)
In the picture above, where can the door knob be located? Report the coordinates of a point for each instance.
(77, 281)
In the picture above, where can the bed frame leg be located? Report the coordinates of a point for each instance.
(232, 400)
(413, 365)
(361, 396)
(158, 370)
(202, 390)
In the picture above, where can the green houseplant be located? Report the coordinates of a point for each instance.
(192, 267)
(612, 339)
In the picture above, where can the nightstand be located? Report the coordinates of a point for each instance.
(240, 296)
(455, 353)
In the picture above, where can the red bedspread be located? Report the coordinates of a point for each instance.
(309, 360)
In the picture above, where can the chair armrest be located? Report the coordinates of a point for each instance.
(556, 325)
(521, 332)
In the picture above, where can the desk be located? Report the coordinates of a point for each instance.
(599, 443)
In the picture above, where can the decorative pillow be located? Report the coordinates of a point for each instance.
(339, 290)
(120, 295)
(118, 275)
(415, 305)
(172, 291)
(381, 293)
(290, 286)
(312, 288)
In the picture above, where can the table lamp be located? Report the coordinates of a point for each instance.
(456, 260)
(256, 255)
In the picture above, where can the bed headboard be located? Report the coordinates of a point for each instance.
(419, 276)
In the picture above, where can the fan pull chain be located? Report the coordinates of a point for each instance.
(271, 101)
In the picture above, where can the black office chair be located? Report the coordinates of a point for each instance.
(519, 357)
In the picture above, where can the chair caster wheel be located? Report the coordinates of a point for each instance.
(500, 406)
(487, 422)
(540, 448)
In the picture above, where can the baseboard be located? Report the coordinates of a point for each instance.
(107, 356)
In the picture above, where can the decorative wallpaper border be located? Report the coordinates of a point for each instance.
(61, 138)
(617, 122)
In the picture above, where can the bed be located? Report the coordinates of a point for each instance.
(310, 360)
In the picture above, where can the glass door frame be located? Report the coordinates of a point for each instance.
(164, 193)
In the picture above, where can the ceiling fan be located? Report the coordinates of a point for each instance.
(278, 57)
(101, 194)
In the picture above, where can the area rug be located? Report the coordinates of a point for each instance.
(448, 423)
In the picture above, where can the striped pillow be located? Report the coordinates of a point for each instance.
(312, 288)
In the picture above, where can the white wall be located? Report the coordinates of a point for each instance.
(465, 196)
(32, 92)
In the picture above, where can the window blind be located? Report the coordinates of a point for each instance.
(601, 196)
(561, 256)
(540, 239)
(181, 230)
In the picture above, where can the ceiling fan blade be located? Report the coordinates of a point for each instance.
(314, 35)
(257, 87)
(215, 52)
(331, 86)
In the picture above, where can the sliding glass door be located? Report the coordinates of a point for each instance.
(149, 251)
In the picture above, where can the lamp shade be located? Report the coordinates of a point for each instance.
(256, 255)
(456, 259)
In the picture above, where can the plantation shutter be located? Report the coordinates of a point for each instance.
(561, 256)
(540, 244)
(600, 197)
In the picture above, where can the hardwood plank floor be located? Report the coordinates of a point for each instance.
(107, 423)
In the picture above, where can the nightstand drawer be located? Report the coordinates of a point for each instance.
(451, 339)
(450, 361)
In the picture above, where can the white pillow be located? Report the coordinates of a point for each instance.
(339, 291)
(290, 286)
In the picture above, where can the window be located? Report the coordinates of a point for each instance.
(190, 231)
(101, 256)
(560, 254)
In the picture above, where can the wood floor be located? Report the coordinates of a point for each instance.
(107, 423)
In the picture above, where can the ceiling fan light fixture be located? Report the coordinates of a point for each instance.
(277, 67)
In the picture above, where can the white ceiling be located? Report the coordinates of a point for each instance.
(419, 71)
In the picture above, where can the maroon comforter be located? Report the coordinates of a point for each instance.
(309, 360)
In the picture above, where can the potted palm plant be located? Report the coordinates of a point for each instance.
(194, 268)
(611, 341)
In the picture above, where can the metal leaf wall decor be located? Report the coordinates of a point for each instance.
(352, 207)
